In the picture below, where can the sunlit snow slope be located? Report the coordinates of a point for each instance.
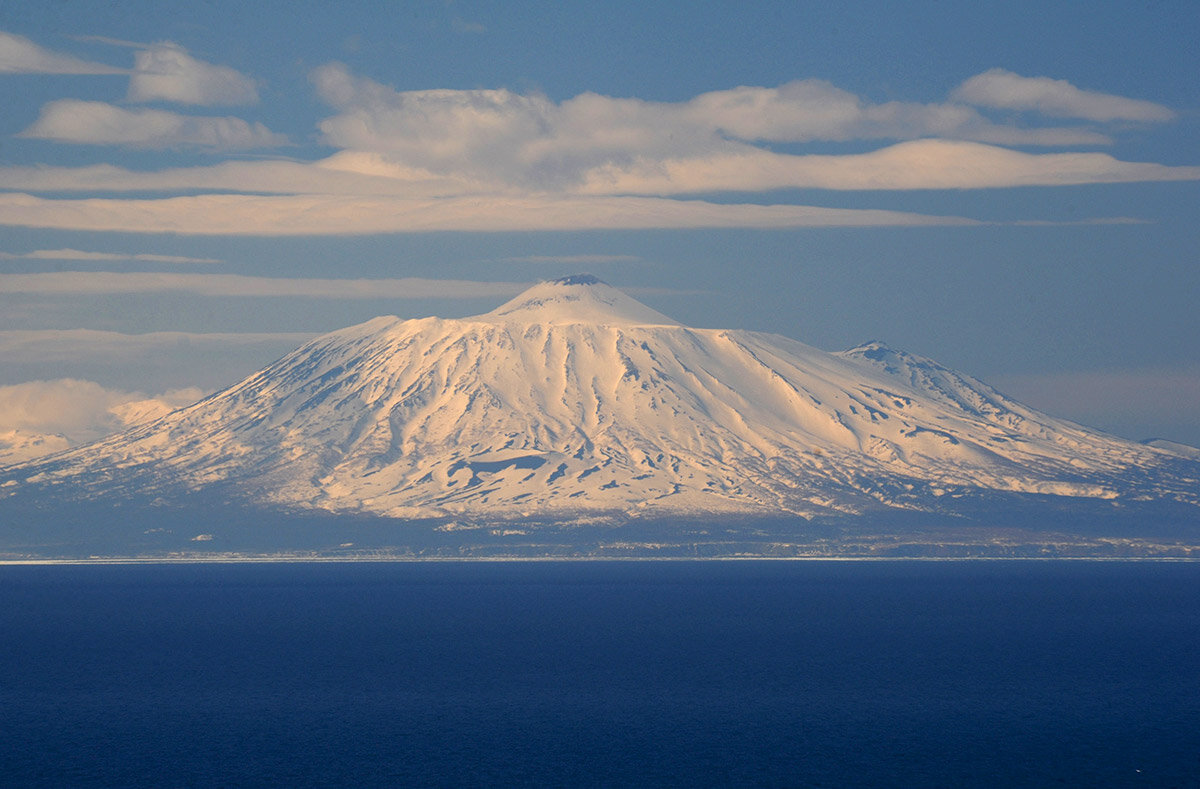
(575, 398)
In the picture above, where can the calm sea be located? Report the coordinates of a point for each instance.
(601, 673)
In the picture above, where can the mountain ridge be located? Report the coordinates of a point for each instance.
(574, 401)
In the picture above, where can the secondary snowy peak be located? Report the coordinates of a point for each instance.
(932, 379)
(581, 298)
(1174, 447)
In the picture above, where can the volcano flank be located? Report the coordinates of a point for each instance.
(575, 403)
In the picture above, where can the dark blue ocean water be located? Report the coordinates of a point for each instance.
(725, 673)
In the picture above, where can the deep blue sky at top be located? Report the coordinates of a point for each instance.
(1042, 307)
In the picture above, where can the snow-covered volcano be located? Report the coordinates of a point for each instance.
(574, 398)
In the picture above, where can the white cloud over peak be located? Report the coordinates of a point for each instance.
(1056, 98)
(19, 55)
(167, 72)
(98, 123)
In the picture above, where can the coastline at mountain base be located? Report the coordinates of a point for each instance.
(195, 530)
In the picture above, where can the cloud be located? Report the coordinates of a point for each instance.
(98, 123)
(717, 141)
(346, 174)
(497, 160)
(37, 417)
(809, 110)
(504, 138)
(101, 282)
(320, 199)
(918, 164)
(19, 55)
(413, 161)
(167, 72)
(482, 135)
(1057, 98)
(76, 254)
(303, 215)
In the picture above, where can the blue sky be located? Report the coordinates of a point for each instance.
(187, 191)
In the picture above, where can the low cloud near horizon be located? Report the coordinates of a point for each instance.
(39, 417)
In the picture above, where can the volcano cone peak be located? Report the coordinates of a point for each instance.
(578, 279)
(579, 298)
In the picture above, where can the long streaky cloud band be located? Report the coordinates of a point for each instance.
(917, 164)
(235, 285)
(303, 215)
(78, 254)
